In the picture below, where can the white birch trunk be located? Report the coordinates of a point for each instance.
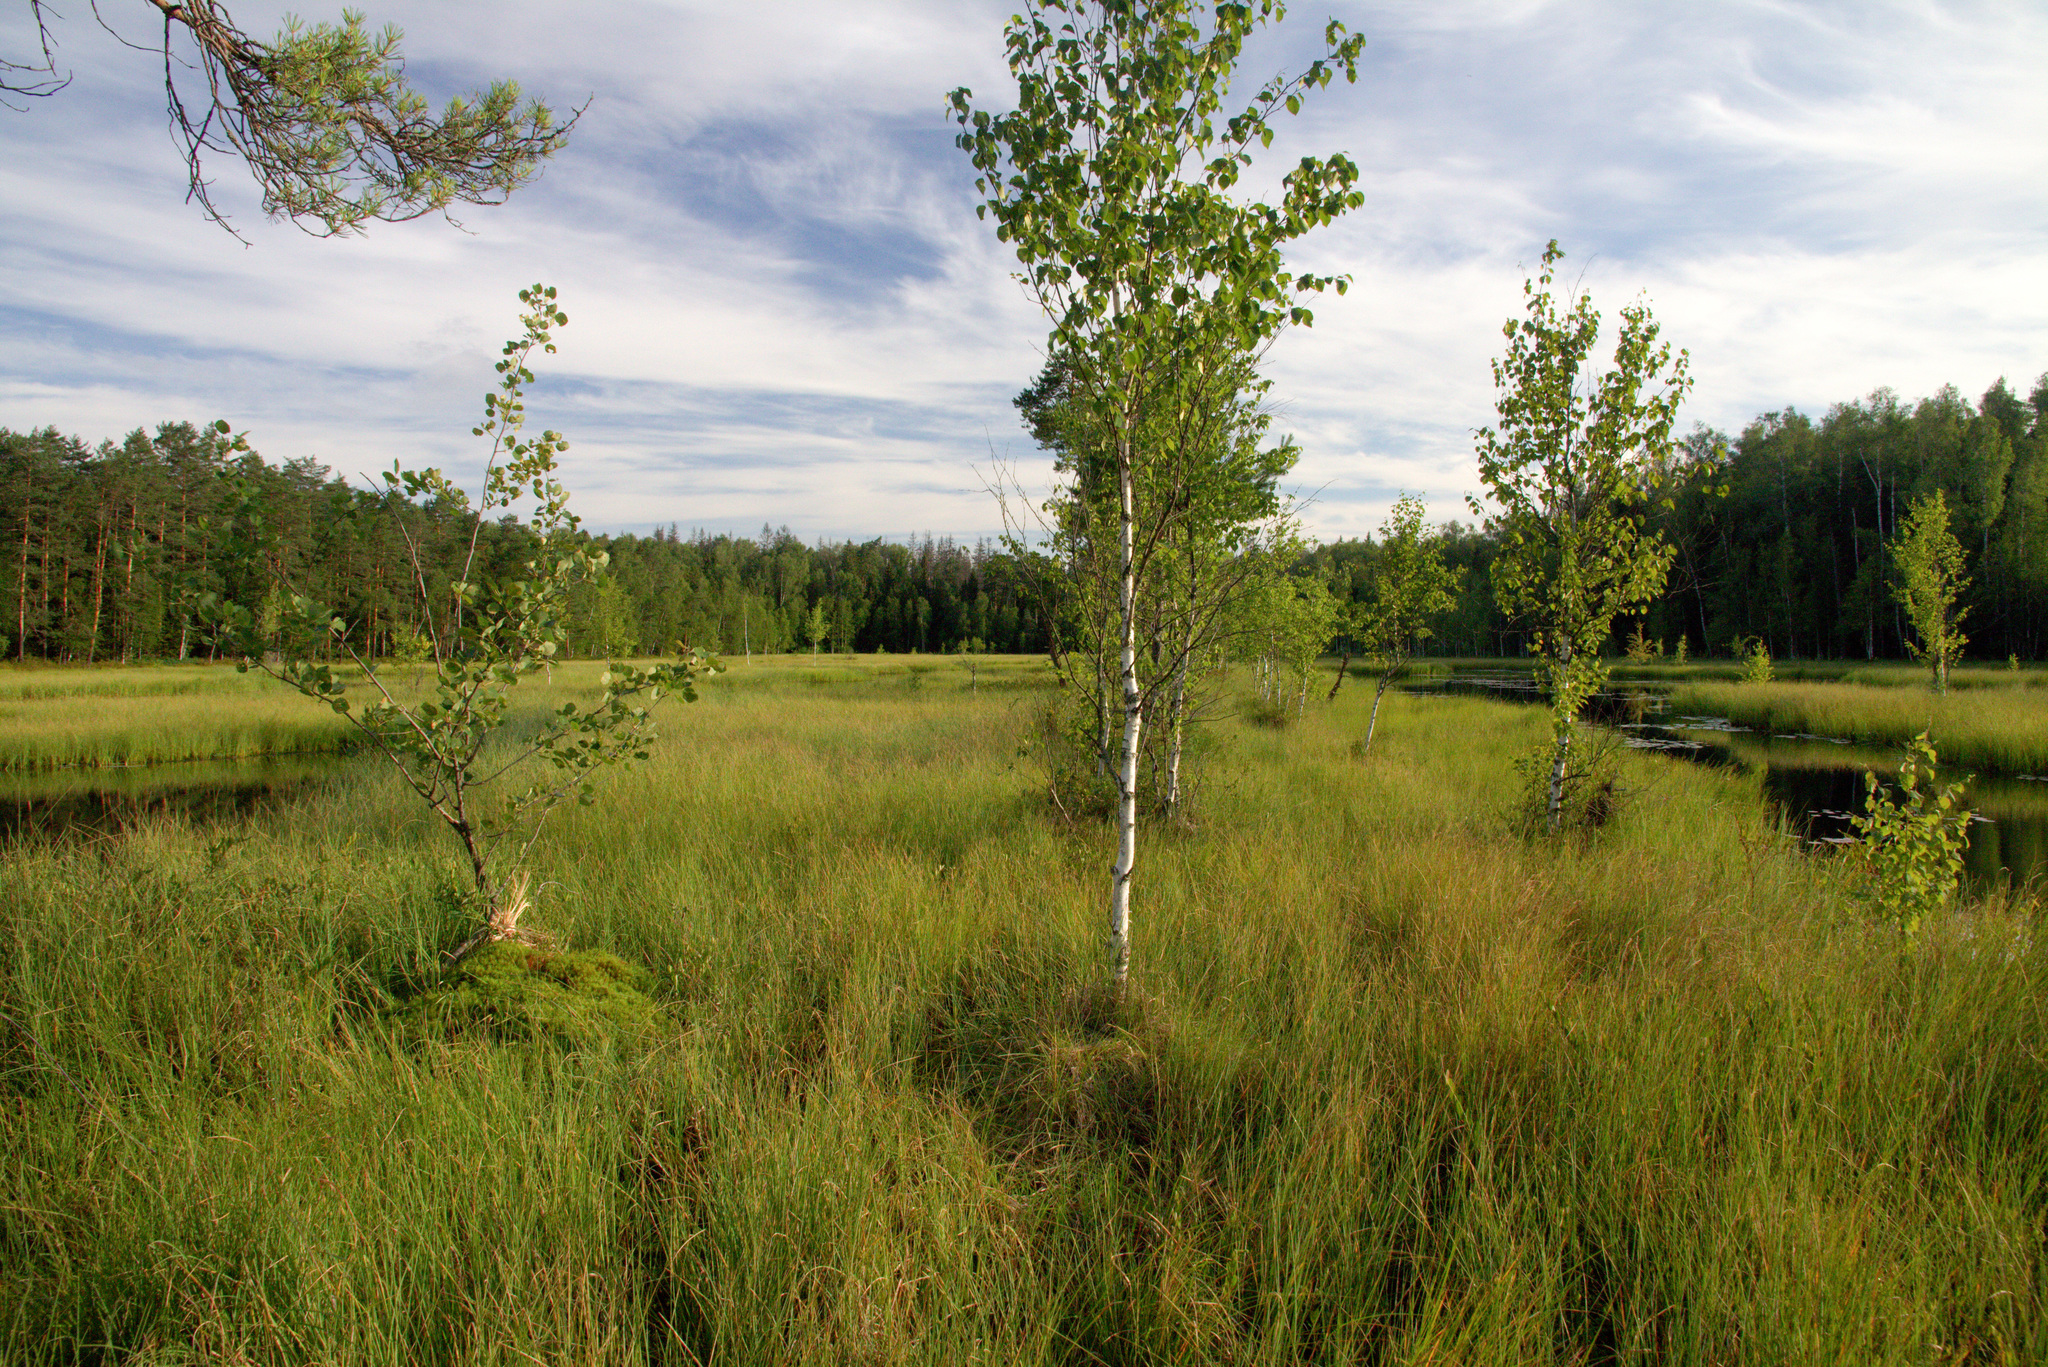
(1564, 740)
(1179, 724)
(1373, 721)
(1564, 710)
(1127, 768)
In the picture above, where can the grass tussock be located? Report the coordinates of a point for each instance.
(511, 991)
(2000, 729)
(1390, 1087)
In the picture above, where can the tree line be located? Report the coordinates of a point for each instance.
(112, 550)
(1779, 535)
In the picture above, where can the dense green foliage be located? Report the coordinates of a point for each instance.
(1388, 1089)
(1912, 844)
(109, 549)
(1930, 562)
(1780, 532)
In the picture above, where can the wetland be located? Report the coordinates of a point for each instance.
(1814, 782)
(1393, 1083)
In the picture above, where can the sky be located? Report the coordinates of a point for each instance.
(784, 310)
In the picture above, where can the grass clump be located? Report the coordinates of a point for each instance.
(516, 993)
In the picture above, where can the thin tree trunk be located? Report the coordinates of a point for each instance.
(1343, 665)
(63, 601)
(99, 584)
(21, 588)
(128, 585)
(1374, 720)
(44, 606)
(1562, 716)
(1564, 740)
(1134, 721)
(1179, 724)
(1102, 715)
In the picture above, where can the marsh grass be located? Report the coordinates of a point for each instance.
(113, 717)
(2004, 729)
(1874, 673)
(1391, 1087)
(27, 681)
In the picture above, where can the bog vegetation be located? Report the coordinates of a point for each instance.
(1391, 1087)
(1426, 1029)
(2001, 723)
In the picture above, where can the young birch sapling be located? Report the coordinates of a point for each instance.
(488, 637)
(1572, 465)
(1755, 655)
(1931, 579)
(1410, 587)
(1209, 489)
(1912, 845)
(1304, 618)
(1112, 180)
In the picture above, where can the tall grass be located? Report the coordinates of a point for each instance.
(1391, 1087)
(2004, 729)
(1875, 673)
(111, 716)
(25, 681)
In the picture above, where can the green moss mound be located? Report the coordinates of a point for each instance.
(520, 993)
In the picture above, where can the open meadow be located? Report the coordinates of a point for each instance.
(1393, 1084)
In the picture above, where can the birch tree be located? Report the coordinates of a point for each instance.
(1112, 180)
(1931, 579)
(1211, 491)
(1410, 585)
(1573, 466)
(451, 749)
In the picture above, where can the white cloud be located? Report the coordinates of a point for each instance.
(783, 308)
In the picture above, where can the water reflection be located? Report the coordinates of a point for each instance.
(1814, 781)
(74, 802)
(1817, 782)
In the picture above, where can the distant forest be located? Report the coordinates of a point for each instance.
(1779, 531)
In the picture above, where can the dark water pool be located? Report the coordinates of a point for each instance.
(1816, 782)
(74, 802)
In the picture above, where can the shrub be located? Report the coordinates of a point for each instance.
(1756, 660)
(1912, 846)
(1590, 792)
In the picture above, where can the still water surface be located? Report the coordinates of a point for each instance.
(1815, 782)
(74, 802)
